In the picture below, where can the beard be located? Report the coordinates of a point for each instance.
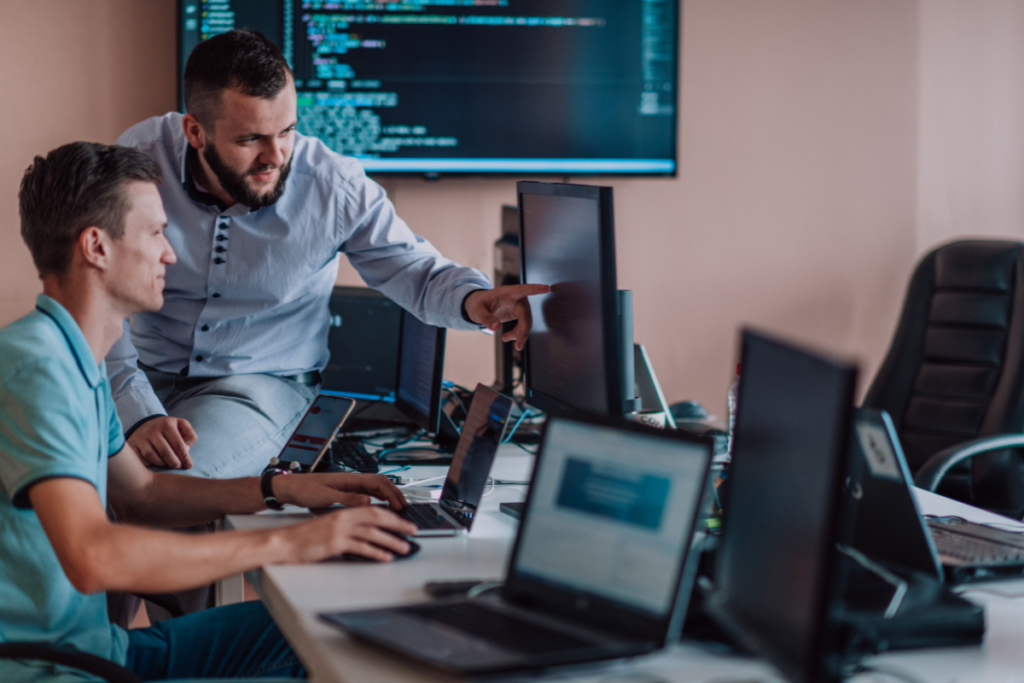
(235, 185)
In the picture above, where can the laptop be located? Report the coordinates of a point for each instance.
(481, 435)
(888, 525)
(601, 566)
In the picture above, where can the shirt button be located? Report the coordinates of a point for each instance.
(216, 296)
(205, 328)
(223, 226)
(218, 260)
(199, 359)
(220, 250)
(221, 238)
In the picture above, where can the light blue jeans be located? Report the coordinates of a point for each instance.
(242, 421)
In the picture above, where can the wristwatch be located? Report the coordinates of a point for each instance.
(268, 491)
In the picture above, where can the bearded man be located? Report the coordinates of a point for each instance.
(213, 383)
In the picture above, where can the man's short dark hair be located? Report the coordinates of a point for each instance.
(237, 60)
(75, 187)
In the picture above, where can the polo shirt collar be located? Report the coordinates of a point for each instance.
(74, 337)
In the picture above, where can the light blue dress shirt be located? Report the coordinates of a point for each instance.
(249, 292)
(57, 419)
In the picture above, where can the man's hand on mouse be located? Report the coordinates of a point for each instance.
(359, 531)
(492, 307)
(164, 442)
(320, 490)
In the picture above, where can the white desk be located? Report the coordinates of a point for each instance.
(295, 594)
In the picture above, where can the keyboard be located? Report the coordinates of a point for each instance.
(425, 516)
(500, 628)
(972, 549)
(352, 454)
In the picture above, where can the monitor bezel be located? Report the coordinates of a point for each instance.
(609, 302)
(438, 173)
(821, 662)
(432, 421)
(600, 610)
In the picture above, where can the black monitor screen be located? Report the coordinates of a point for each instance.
(567, 242)
(774, 576)
(420, 367)
(363, 343)
(474, 86)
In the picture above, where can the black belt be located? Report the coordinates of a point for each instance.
(310, 379)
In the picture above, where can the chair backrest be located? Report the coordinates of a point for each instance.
(955, 368)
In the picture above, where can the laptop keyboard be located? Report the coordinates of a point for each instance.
(352, 454)
(425, 516)
(499, 628)
(972, 549)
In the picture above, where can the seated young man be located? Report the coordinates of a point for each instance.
(93, 220)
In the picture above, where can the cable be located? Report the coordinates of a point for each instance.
(420, 481)
(403, 468)
(458, 400)
(512, 432)
(482, 587)
(490, 488)
(516, 443)
(889, 671)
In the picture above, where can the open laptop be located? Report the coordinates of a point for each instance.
(888, 525)
(601, 567)
(478, 443)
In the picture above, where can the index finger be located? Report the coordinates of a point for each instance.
(520, 291)
(177, 445)
(386, 519)
(187, 433)
(383, 488)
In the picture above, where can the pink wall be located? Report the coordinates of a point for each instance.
(818, 158)
(971, 124)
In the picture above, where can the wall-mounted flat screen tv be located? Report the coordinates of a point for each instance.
(474, 86)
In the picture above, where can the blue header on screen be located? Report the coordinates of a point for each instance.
(474, 86)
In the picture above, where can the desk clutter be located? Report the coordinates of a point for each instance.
(801, 549)
(792, 532)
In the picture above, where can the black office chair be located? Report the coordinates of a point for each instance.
(953, 380)
(90, 664)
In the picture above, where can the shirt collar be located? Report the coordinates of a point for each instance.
(73, 335)
(189, 183)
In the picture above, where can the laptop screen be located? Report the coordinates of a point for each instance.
(610, 514)
(478, 444)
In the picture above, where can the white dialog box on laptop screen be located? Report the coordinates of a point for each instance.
(610, 513)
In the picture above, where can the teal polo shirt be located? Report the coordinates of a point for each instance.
(57, 419)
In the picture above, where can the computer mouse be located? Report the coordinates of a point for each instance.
(414, 548)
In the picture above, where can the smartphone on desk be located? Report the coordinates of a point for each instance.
(312, 438)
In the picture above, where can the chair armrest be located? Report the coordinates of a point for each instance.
(932, 472)
(83, 661)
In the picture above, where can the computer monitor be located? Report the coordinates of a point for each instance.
(485, 86)
(574, 358)
(777, 585)
(363, 344)
(420, 370)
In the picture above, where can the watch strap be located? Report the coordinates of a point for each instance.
(269, 499)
